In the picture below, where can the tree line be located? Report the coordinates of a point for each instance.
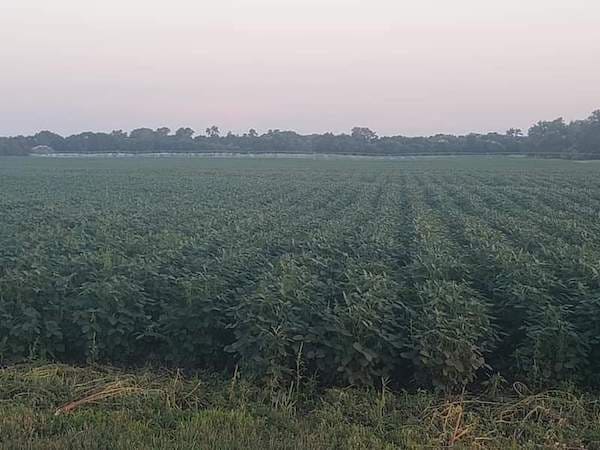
(576, 139)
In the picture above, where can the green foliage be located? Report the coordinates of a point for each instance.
(579, 139)
(352, 334)
(450, 333)
(553, 346)
(424, 273)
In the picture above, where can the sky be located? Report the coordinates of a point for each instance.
(397, 66)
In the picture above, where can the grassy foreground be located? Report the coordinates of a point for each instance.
(60, 406)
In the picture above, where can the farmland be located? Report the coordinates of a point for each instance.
(284, 281)
(436, 273)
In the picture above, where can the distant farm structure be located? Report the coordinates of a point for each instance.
(42, 150)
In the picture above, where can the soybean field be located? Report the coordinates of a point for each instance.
(425, 273)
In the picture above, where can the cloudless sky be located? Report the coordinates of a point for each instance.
(398, 66)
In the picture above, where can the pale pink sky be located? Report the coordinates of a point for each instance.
(398, 66)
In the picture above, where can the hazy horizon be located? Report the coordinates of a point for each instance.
(312, 66)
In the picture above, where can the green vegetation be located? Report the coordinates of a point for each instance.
(267, 287)
(579, 139)
(427, 274)
(58, 407)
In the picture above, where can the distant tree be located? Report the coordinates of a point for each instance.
(213, 131)
(575, 139)
(94, 142)
(142, 133)
(14, 146)
(363, 134)
(49, 139)
(585, 134)
(119, 134)
(551, 137)
(514, 132)
(184, 133)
